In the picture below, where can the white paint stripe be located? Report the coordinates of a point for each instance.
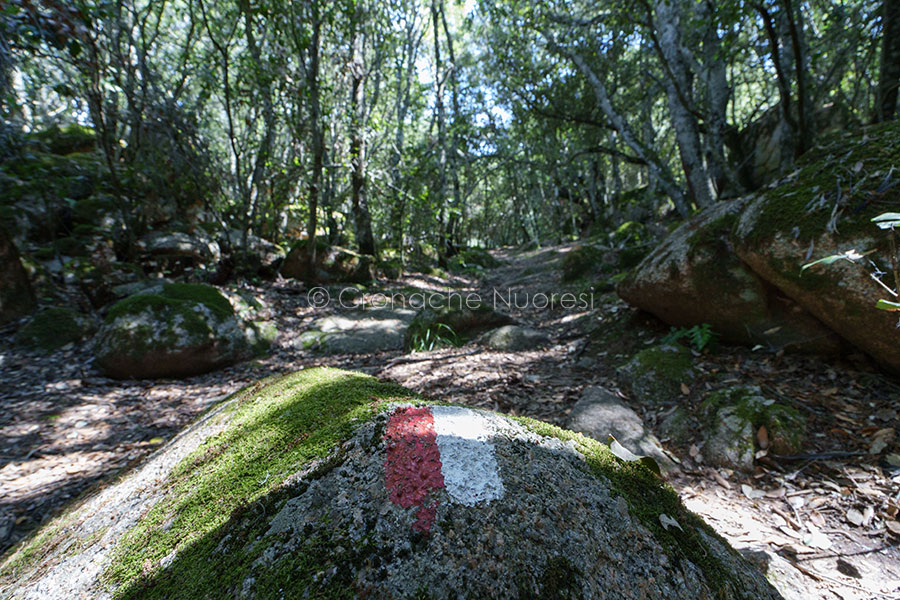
(468, 463)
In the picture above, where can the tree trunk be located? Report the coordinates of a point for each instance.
(889, 72)
(678, 86)
(358, 192)
(318, 137)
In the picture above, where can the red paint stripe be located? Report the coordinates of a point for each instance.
(412, 468)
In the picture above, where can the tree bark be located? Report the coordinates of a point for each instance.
(889, 71)
(358, 192)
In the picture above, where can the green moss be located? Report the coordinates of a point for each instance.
(648, 497)
(671, 365)
(173, 296)
(581, 261)
(785, 425)
(827, 174)
(205, 294)
(713, 234)
(53, 328)
(276, 427)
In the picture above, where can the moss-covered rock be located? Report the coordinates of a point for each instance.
(696, 262)
(308, 485)
(333, 264)
(172, 331)
(654, 375)
(586, 260)
(814, 213)
(472, 260)
(452, 319)
(513, 338)
(737, 414)
(52, 328)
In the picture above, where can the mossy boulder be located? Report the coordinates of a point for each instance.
(694, 277)
(329, 484)
(513, 338)
(455, 317)
(333, 264)
(586, 260)
(826, 208)
(737, 414)
(655, 375)
(175, 330)
(16, 295)
(472, 260)
(52, 328)
(196, 247)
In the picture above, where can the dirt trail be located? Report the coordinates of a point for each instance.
(64, 427)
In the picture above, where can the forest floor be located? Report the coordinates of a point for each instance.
(64, 427)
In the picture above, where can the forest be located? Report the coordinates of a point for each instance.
(232, 232)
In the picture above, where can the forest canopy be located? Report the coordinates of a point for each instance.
(397, 127)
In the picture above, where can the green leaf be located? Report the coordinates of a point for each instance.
(887, 220)
(887, 305)
(851, 255)
(627, 455)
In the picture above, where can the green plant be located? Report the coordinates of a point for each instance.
(436, 336)
(699, 336)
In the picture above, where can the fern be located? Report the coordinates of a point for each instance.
(700, 337)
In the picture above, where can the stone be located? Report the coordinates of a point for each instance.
(599, 413)
(737, 413)
(175, 330)
(325, 482)
(333, 264)
(697, 261)
(16, 296)
(807, 217)
(196, 247)
(513, 338)
(677, 426)
(358, 331)
(654, 375)
(52, 328)
(452, 320)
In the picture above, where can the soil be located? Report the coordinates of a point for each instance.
(830, 511)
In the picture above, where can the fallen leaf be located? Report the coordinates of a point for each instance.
(685, 389)
(752, 493)
(628, 456)
(893, 527)
(855, 517)
(762, 436)
(668, 521)
(816, 539)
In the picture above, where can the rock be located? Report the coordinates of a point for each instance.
(452, 319)
(52, 328)
(729, 442)
(737, 414)
(599, 413)
(333, 264)
(197, 248)
(16, 296)
(325, 483)
(697, 261)
(654, 375)
(811, 215)
(175, 330)
(513, 338)
(785, 577)
(359, 331)
(585, 260)
(472, 260)
(677, 426)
